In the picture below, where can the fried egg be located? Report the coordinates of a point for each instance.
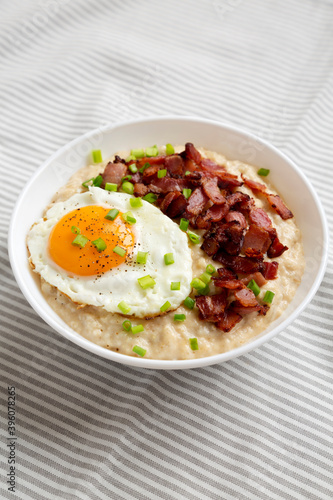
(98, 276)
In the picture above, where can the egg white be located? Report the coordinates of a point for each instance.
(154, 233)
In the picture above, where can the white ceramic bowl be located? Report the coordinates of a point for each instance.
(290, 182)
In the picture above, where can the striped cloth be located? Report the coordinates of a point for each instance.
(258, 427)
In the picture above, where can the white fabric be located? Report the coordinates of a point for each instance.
(259, 427)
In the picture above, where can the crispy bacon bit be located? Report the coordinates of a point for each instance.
(255, 186)
(276, 249)
(149, 174)
(210, 246)
(210, 165)
(154, 160)
(259, 217)
(240, 201)
(270, 270)
(238, 263)
(237, 307)
(192, 153)
(177, 205)
(114, 172)
(167, 184)
(140, 189)
(174, 164)
(229, 320)
(238, 217)
(197, 202)
(212, 191)
(117, 159)
(213, 214)
(211, 307)
(257, 277)
(189, 165)
(256, 241)
(231, 284)
(277, 204)
(246, 297)
(230, 237)
(226, 180)
(136, 177)
(168, 199)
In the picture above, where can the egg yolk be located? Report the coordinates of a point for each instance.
(92, 224)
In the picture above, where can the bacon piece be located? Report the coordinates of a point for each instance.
(210, 165)
(276, 249)
(255, 186)
(140, 189)
(174, 164)
(238, 263)
(259, 217)
(229, 320)
(227, 180)
(257, 277)
(238, 217)
(212, 191)
(230, 237)
(136, 177)
(242, 310)
(177, 206)
(211, 307)
(189, 165)
(149, 174)
(270, 270)
(167, 184)
(117, 159)
(226, 273)
(114, 172)
(192, 153)
(256, 241)
(213, 214)
(168, 199)
(246, 297)
(277, 204)
(154, 160)
(197, 201)
(232, 284)
(210, 246)
(240, 201)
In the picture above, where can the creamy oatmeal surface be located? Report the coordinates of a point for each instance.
(162, 337)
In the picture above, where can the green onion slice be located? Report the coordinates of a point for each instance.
(189, 302)
(141, 257)
(183, 225)
(254, 287)
(204, 291)
(269, 296)
(98, 181)
(162, 173)
(206, 278)
(127, 325)
(139, 350)
(187, 193)
(119, 251)
(130, 158)
(146, 282)
(263, 172)
(127, 187)
(112, 214)
(125, 308)
(198, 284)
(165, 306)
(109, 186)
(169, 149)
(169, 259)
(187, 172)
(128, 217)
(195, 238)
(133, 168)
(210, 269)
(99, 244)
(136, 202)
(175, 285)
(75, 230)
(152, 151)
(137, 329)
(97, 156)
(179, 317)
(87, 183)
(80, 240)
(137, 153)
(142, 169)
(194, 344)
(150, 197)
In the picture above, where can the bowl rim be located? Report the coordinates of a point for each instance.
(71, 335)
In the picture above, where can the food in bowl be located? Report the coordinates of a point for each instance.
(168, 253)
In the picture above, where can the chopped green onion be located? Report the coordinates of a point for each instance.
(165, 306)
(112, 214)
(141, 257)
(194, 344)
(125, 308)
(263, 172)
(139, 350)
(254, 287)
(162, 173)
(128, 217)
(133, 168)
(169, 149)
(99, 244)
(97, 156)
(175, 285)
(184, 224)
(146, 282)
(210, 269)
(187, 193)
(127, 187)
(137, 153)
(204, 291)
(198, 284)
(168, 259)
(179, 317)
(86, 183)
(75, 230)
(137, 329)
(189, 302)
(187, 172)
(152, 151)
(80, 240)
(269, 296)
(126, 178)
(130, 158)
(98, 181)
(119, 251)
(136, 202)
(127, 325)
(150, 197)
(195, 238)
(206, 278)
(142, 169)
(109, 186)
